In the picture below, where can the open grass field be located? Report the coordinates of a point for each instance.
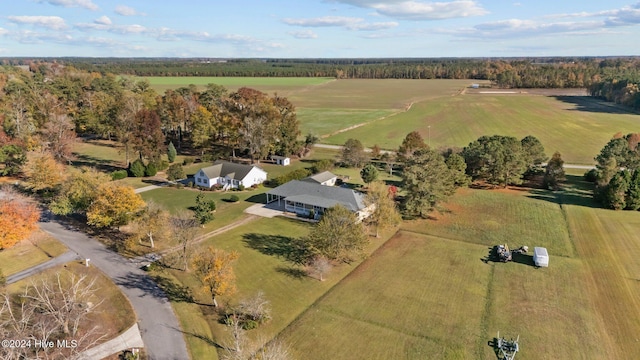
(576, 126)
(40, 247)
(262, 265)
(264, 84)
(427, 293)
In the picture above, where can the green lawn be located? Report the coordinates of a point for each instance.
(324, 122)
(577, 133)
(40, 248)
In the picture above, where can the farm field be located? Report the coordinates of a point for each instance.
(575, 126)
(265, 84)
(427, 293)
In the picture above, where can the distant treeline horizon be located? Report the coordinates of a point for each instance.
(611, 78)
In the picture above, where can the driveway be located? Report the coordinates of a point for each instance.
(159, 326)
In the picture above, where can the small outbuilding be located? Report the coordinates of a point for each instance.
(281, 160)
(541, 257)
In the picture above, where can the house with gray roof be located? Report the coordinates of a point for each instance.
(229, 175)
(301, 197)
(326, 178)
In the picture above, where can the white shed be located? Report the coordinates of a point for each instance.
(281, 160)
(541, 257)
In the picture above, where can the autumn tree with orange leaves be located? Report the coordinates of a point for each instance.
(214, 270)
(114, 205)
(18, 218)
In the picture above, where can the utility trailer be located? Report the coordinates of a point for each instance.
(541, 257)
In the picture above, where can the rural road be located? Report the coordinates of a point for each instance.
(160, 329)
(338, 147)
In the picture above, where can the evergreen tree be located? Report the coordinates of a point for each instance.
(632, 199)
(137, 168)
(203, 209)
(427, 181)
(171, 152)
(615, 193)
(369, 173)
(554, 173)
(458, 168)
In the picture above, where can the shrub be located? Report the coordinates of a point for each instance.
(591, 175)
(161, 165)
(234, 198)
(171, 152)
(119, 174)
(312, 214)
(292, 175)
(241, 187)
(151, 169)
(3, 279)
(137, 168)
(175, 172)
(187, 161)
(249, 324)
(322, 165)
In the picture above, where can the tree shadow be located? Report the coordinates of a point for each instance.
(143, 283)
(206, 339)
(293, 272)
(174, 291)
(154, 182)
(593, 104)
(288, 248)
(257, 198)
(575, 191)
(93, 162)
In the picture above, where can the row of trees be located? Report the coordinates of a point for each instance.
(622, 91)
(521, 72)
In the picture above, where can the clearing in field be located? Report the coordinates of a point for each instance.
(268, 85)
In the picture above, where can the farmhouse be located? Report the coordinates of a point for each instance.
(281, 160)
(302, 197)
(324, 178)
(230, 175)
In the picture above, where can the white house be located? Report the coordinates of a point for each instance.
(281, 160)
(324, 178)
(229, 175)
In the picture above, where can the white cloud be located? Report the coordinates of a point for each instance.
(3, 31)
(87, 4)
(304, 34)
(421, 10)
(103, 20)
(374, 26)
(49, 22)
(324, 21)
(127, 11)
(108, 26)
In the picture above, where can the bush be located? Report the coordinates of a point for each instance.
(137, 168)
(175, 172)
(292, 175)
(249, 324)
(161, 165)
(322, 165)
(312, 214)
(591, 175)
(188, 161)
(3, 279)
(241, 187)
(119, 174)
(151, 170)
(234, 198)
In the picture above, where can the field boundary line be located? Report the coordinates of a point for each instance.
(484, 321)
(347, 316)
(443, 238)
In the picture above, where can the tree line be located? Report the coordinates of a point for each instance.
(558, 72)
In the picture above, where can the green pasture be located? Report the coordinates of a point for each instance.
(490, 217)
(323, 122)
(577, 127)
(430, 293)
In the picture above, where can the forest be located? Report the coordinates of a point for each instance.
(534, 72)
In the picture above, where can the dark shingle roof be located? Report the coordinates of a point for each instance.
(320, 195)
(225, 168)
(320, 177)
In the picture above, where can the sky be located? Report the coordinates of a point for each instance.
(318, 28)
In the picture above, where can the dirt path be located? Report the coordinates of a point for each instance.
(366, 122)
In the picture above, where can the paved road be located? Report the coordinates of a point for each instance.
(338, 147)
(160, 329)
(58, 260)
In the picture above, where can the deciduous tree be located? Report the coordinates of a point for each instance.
(214, 270)
(42, 172)
(78, 191)
(338, 236)
(412, 142)
(115, 205)
(496, 159)
(184, 231)
(153, 222)
(18, 218)
(59, 136)
(353, 154)
(175, 172)
(384, 210)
